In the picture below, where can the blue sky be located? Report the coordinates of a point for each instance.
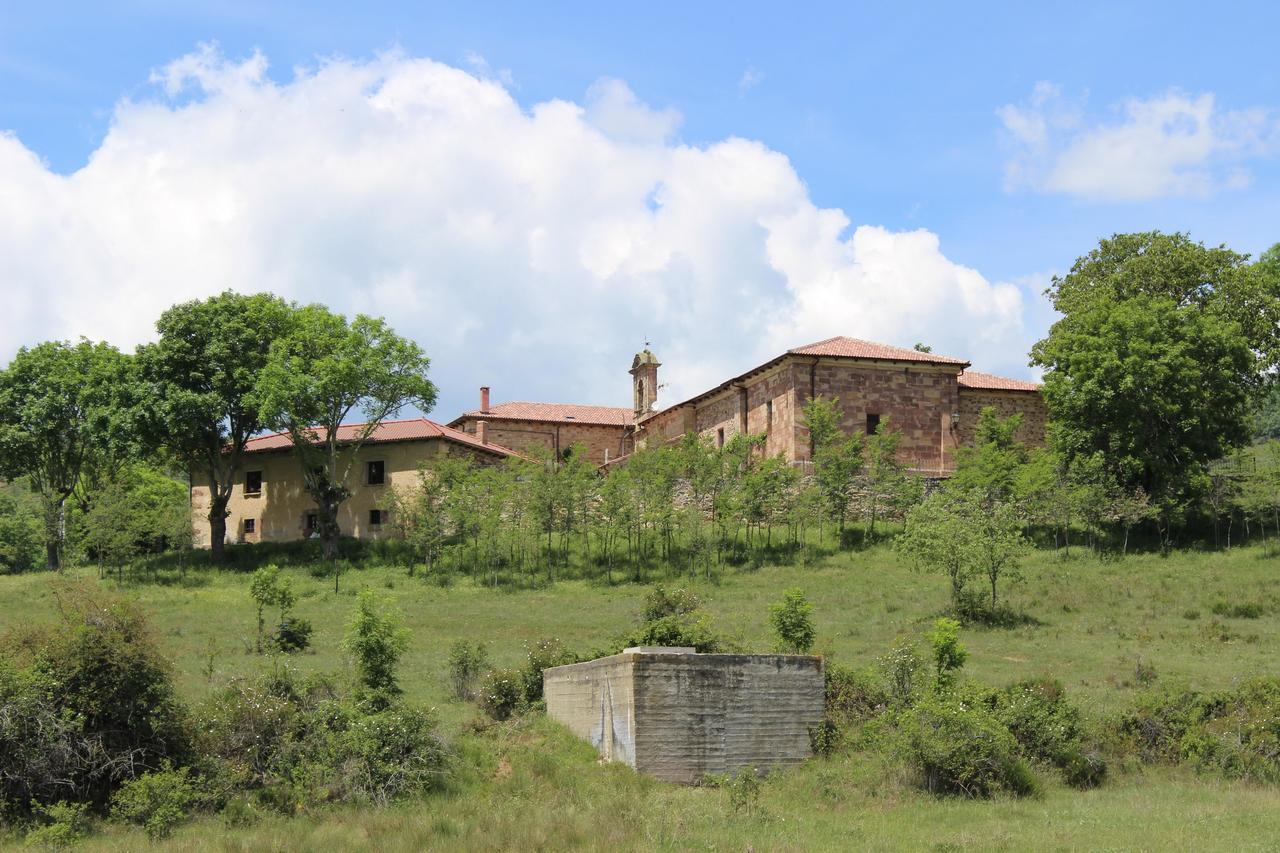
(1012, 135)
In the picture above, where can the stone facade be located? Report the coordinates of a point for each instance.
(680, 716)
(602, 441)
(926, 401)
(1028, 404)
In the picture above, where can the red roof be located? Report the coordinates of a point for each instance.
(842, 347)
(990, 382)
(416, 429)
(568, 413)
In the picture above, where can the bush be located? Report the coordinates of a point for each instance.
(902, 669)
(543, 654)
(292, 635)
(63, 824)
(1048, 728)
(467, 661)
(958, 747)
(392, 754)
(377, 639)
(92, 707)
(948, 655)
(21, 531)
(854, 693)
(1234, 732)
(502, 693)
(156, 801)
(675, 618)
(661, 602)
(791, 619)
(298, 743)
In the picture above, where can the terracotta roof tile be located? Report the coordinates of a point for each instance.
(554, 413)
(415, 429)
(843, 347)
(991, 382)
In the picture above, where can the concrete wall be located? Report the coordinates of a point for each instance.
(680, 717)
(280, 510)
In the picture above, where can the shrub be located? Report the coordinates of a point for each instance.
(948, 654)
(292, 635)
(543, 654)
(661, 602)
(958, 747)
(62, 824)
(854, 693)
(502, 693)
(376, 638)
(298, 743)
(1048, 728)
(901, 668)
(92, 708)
(392, 754)
(156, 801)
(675, 618)
(467, 661)
(792, 623)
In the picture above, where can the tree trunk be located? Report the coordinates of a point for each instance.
(218, 530)
(53, 529)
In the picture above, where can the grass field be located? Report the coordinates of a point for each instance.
(528, 785)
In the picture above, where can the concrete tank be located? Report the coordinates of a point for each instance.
(678, 715)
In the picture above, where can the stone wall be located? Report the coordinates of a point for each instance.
(681, 716)
(1029, 404)
(550, 437)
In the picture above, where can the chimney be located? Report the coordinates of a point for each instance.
(482, 430)
(484, 399)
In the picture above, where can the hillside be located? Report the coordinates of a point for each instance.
(524, 781)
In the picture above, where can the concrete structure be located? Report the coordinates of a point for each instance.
(550, 429)
(679, 716)
(270, 504)
(932, 400)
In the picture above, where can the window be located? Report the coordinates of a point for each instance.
(250, 526)
(377, 517)
(768, 416)
(311, 522)
(253, 482)
(375, 473)
(873, 424)
(720, 437)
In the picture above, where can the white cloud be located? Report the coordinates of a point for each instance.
(533, 249)
(1172, 144)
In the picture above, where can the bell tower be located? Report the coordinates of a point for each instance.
(644, 381)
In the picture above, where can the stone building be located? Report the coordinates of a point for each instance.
(551, 428)
(270, 504)
(933, 400)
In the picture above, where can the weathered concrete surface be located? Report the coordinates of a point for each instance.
(679, 716)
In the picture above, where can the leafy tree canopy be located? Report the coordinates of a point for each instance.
(1155, 358)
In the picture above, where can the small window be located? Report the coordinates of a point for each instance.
(377, 517)
(310, 524)
(253, 482)
(768, 416)
(250, 526)
(873, 424)
(376, 473)
(720, 437)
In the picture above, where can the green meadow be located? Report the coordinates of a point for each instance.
(1100, 627)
